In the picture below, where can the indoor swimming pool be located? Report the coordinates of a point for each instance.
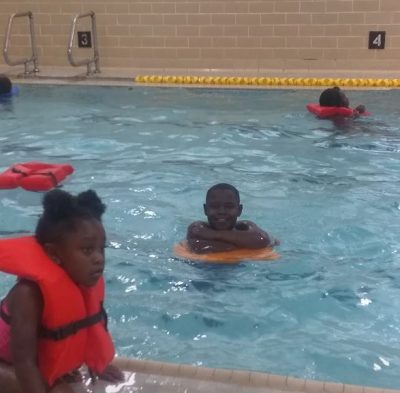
(328, 309)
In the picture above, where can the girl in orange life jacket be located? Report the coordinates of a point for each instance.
(72, 236)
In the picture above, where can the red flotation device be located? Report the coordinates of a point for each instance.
(332, 111)
(34, 176)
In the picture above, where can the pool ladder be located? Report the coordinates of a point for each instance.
(95, 60)
(30, 64)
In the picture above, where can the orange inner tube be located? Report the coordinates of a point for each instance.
(182, 250)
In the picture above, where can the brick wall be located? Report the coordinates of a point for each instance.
(216, 34)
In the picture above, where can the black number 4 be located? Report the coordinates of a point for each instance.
(376, 40)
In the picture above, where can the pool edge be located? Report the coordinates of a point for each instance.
(242, 377)
(218, 78)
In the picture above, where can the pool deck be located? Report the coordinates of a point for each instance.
(157, 377)
(126, 77)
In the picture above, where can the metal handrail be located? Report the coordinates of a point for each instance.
(89, 61)
(34, 58)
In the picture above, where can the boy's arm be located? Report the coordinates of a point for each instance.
(202, 239)
(206, 246)
(246, 234)
(256, 234)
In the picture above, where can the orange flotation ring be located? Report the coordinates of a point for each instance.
(182, 250)
(34, 176)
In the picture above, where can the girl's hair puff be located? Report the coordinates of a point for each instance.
(62, 210)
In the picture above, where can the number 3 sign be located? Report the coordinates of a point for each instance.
(84, 39)
(376, 40)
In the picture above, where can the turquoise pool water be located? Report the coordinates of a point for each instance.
(328, 309)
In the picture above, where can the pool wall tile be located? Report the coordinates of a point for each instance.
(295, 384)
(241, 377)
(259, 379)
(221, 34)
(170, 369)
(187, 371)
(222, 375)
(372, 390)
(204, 373)
(353, 389)
(312, 386)
(277, 382)
(330, 387)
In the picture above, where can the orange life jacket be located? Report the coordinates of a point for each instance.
(73, 330)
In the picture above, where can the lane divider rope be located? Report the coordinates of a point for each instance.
(266, 81)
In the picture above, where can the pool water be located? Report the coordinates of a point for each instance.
(328, 309)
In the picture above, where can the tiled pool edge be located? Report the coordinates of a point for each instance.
(242, 377)
(246, 78)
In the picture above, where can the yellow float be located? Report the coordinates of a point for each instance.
(268, 81)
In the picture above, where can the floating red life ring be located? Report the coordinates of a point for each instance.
(34, 176)
(331, 111)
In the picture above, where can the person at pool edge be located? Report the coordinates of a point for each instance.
(334, 96)
(52, 321)
(5, 84)
(223, 232)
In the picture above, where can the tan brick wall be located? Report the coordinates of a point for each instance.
(216, 34)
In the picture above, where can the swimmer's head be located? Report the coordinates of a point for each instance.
(5, 84)
(222, 206)
(333, 97)
(71, 232)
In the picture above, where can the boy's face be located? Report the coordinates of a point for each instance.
(222, 209)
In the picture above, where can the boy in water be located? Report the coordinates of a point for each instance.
(336, 97)
(223, 232)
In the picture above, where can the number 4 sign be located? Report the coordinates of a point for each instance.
(376, 40)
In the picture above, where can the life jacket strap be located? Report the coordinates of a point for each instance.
(68, 329)
(19, 171)
(53, 178)
(74, 327)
